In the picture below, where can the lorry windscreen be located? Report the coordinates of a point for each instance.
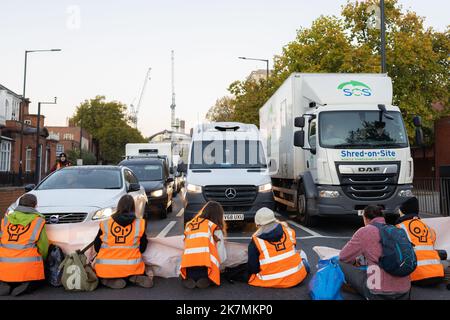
(147, 172)
(361, 129)
(224, 154)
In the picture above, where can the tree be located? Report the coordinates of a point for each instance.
(87, 156)
(223, 110)
(107, 122)
(416, 60)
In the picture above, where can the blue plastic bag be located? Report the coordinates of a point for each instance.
(327, 282)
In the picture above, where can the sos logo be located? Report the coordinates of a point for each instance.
(355, 89)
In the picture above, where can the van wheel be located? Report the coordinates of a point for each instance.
(303, 215)
(163, 214)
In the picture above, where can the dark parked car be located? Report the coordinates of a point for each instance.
(154, 176)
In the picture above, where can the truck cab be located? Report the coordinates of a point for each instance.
(227, 164)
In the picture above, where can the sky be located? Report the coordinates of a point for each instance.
(107, 47)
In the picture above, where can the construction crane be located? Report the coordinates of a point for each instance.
(134, 111)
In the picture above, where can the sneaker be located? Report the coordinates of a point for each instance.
(188, 283)
(142, 281)
(203, 283)
(4, 289)
(114, 283)
(21, 288)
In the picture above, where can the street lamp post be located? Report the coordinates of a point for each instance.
(21, 110)
(37, 170)
(265, 60)
(383, 37)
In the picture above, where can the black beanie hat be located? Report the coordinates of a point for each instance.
(410, 206)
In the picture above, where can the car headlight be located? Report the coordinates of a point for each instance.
(192, 188)
(406, 193)
(328, 194)
(104, 213)
(265, 187)
(157, 193)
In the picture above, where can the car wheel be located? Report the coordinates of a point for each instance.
(303, 215)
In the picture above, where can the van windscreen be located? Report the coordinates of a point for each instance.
(223, 154)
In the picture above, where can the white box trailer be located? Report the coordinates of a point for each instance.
(353, 146)
(163, 149)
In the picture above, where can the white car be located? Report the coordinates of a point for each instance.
(75, 199)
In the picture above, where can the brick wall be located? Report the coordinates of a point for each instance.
(8, 196)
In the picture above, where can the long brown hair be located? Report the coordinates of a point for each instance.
(126, 205)
(213, 211)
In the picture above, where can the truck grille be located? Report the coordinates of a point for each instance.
(61, 218)
(369, 187)
(244, 194)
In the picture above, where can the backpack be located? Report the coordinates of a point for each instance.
(398, 257)
(77, 273)
(52, 271)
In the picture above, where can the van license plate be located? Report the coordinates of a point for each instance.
(233, 217)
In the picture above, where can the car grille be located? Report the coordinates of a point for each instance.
(245, 194)
(369, 187)
(61, 218)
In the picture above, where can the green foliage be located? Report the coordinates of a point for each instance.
(417, 60)
(108, 124)
(87, 156)
(223, 110)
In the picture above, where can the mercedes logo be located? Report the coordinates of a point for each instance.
(54, 219)
(230, 193)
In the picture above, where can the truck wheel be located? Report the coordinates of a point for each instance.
(302, 209)
(280, 207)
(163, 214)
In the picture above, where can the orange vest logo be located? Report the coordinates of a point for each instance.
(16, 230)
(280, 245)
(195, 224)
(120, 233)
(419, 230)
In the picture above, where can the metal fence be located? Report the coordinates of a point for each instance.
(433, 195)
(8, 179)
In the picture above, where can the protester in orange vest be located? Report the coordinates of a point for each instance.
(23, 248)
(204, 247)
(62, 162)
(273, 261)
(120, 243)
(430, 270)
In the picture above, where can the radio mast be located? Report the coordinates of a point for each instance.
(174, 123)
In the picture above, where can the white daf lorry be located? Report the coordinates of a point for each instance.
(227, 164)
(335, 144)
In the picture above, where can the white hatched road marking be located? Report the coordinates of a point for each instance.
(180, 213)
(166, 230)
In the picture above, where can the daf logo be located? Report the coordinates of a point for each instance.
(369, 169)
(230, 193)
(54, 219)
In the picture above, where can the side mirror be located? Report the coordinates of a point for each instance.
(29, 187)
(417, 120)
(182, 168)
(299, 122)
(299, 138)
(133, 187)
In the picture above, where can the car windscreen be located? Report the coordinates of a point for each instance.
(83, 179)
(223, 154)
(147, 172)
(361, 129)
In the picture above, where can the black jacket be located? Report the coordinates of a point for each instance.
(124, 220)
(274, 235)
(406, 218)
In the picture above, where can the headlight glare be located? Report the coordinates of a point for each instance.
(192, 188)
(157, 193)
(104, 213)
(265, 187)
(329, 194)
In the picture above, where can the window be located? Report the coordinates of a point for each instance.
(5, 156)
(68, 136)
(28, 160)
(59, 149)
(312, 134)
(28, 122)
(6, 110)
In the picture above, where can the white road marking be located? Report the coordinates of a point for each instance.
(166, 230)
(299, 238)
(180, 213)
(311, 232)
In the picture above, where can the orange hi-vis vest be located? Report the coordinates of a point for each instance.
(281, 266)
(20, 260)
(423, 238)
(200, 248)
(119, 255)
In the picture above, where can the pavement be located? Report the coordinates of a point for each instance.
(331, 233)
